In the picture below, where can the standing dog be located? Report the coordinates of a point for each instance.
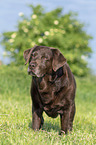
(53, 86)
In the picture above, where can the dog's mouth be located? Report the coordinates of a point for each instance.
(30, 72)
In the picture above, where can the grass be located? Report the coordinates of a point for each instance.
(15, 112)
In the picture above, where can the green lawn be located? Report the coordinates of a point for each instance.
(15, 112)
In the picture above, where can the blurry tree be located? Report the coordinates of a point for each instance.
(53, 29)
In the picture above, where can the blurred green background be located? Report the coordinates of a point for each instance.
(53, 29)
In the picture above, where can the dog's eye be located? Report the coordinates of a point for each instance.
(44, 57)
(34, 54)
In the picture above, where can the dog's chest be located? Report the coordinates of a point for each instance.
(48, 90)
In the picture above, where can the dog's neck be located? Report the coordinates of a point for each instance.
(56, 75)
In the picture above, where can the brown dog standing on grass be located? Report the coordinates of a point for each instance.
(53, 86)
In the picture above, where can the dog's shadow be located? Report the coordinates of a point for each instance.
(47, 126)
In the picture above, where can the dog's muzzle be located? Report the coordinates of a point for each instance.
(30, 72)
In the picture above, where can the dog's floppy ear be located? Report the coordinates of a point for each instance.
(25, 54)
(58, 59)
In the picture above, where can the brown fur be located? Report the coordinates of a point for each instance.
(53, 86)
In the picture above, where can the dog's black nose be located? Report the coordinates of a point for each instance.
(32, 65)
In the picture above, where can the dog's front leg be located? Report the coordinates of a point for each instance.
(67, 119)
(37, 119)
(64, 122)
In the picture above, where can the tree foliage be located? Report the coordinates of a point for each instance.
(53, 29)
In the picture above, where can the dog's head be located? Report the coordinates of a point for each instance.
(43, 59)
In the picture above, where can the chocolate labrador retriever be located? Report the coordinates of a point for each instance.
(53, 86)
